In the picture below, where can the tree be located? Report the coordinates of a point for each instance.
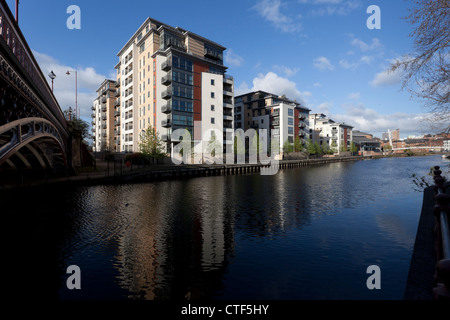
(287, 146)
(298, 147)
(426, 71)
(334, 146)
(353, 148)
(151, 145)
(317, 148)
(310, 147)
(77, 124)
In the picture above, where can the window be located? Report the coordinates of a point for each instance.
(212, 95)
(212, 107)
(290, 130)
(291, 112)
(212, 82)
(290, 121)
(213, 120)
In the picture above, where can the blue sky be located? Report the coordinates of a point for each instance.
(319, 52)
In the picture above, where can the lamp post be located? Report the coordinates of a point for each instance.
(76, 92)
(52, 76)
(70, 113)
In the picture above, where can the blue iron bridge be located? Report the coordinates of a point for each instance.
(34, 134)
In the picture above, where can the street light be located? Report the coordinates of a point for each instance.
(76, 91)
(52, 76)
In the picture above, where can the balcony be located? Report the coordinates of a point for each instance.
(227, 104)
(302, 116)
(117, 132)
(104, 118)
(227, 92)
(117, 122)
(166, 123)
(166, 80)
(117, 83)
(117, 93)
(276, 113)
(165, 137)
(93, 108)
(93, 115)
(166, 65)
(167, 108)
(301, 124)
(117, 103)
(167, 94)
(116, 113)
(103, 100)
(104, 108)
(93, 122)
(276, 122)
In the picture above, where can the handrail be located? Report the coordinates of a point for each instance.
(442, 212)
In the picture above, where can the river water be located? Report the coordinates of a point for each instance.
(304, 233)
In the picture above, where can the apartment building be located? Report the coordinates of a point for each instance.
(170, 78)
(338, 136)
(103, 126)
(280, 116)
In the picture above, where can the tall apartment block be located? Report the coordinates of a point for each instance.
(337, 136)
(282, 117)
(171, 78)
(103, 135)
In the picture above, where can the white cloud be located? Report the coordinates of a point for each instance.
(322, 63)
(386, 78)
(354, 95)
(87, 80)
(273, 83)
(233, 59)
(369, 120)
(317, 85)
(241, 89)
(375, 44)
(344, 63)
(271, 11)
(288, 72)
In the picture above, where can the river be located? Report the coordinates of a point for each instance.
(304, 233)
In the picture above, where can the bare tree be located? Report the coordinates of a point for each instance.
(426, 71)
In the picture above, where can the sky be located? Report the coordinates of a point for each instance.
(318, 52)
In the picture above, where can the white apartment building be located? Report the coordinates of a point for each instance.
(338, 136)
(280, 116)
(447, 145)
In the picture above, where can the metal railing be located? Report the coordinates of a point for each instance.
(442, 230)
(12, 37)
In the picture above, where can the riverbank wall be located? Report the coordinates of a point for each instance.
(429, 272)
(113, 173)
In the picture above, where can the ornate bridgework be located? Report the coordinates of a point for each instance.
(33, 130)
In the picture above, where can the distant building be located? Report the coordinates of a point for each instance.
(338, 136)
(447, 145)
(280, 116)
(365, 142)
(103, 126)
(394, 135)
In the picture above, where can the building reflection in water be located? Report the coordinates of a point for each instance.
(175, 242)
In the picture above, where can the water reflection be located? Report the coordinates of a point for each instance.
(304, 233)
